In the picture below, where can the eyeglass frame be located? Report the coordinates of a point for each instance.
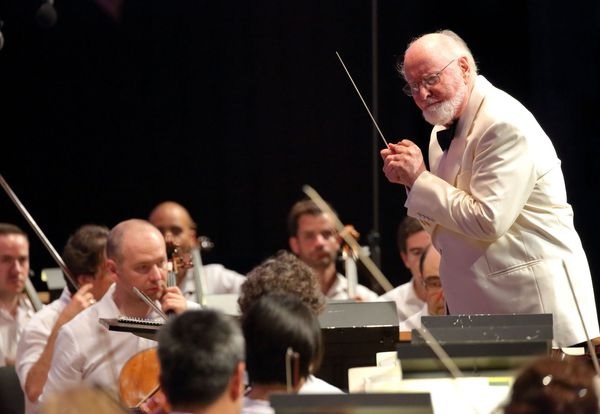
(432, 286)
(411, 89)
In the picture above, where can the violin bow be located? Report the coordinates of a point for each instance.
(356, 248)
(40, 234)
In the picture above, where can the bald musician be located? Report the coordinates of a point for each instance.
(178, 228)
(89, 353)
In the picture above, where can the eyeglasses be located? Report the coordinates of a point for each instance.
(432, 282)
(411, 89)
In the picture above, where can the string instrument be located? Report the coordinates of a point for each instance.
(139, 381)
(68, 275)
(364, 258)
(349, 257)
(33, 295)
(177, 262)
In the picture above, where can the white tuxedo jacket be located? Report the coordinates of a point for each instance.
(495, 205)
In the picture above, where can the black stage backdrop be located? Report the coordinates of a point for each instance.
(230, 107)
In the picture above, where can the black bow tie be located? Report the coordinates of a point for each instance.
(445, 136)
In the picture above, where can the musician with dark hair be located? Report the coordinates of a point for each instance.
(315, 240)
(277, 327)
(201, 356)
(285, 274)
(84, 256)
(554, 386)
(15, 309)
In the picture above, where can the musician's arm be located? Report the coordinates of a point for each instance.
(38, 373)
(63, 371)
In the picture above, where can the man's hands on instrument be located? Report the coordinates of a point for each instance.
(403, 162)
(173, 300)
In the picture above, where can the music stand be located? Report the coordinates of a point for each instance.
(353, 332)
(142, 328)
(380, 403)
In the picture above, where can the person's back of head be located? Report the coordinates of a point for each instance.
(201, 354)
(273, 326)
(84, 254)
(553, 386)
(282, 273)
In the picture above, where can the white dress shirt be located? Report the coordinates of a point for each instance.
(407, 301)
(252, 406)
(218, 280)
(91, 354)
(414, 321)
(34, 339)
(314, 385)
(11, 328)
(339, 290)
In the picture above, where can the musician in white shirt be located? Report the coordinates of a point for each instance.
(90, 353)
(84, 256)
(412, 241)
(314, 239)
(15, 308)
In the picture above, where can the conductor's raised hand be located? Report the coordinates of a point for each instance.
(403, 162)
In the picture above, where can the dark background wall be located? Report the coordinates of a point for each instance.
(229, 107)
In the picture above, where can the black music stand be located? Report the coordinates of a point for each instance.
(478, 343)
(140, 327)
(353, 332)
(489, 328)
(386, 403)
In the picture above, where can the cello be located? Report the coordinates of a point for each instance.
(139, 385)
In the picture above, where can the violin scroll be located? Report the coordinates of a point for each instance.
(177, 261)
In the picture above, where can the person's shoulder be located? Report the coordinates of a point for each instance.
(46, 316)
(365, 293)
(88, 320)
(314, 385)
(252, 406)
(403, 292)
(500, 101)
(217, 268)
(391, 295)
